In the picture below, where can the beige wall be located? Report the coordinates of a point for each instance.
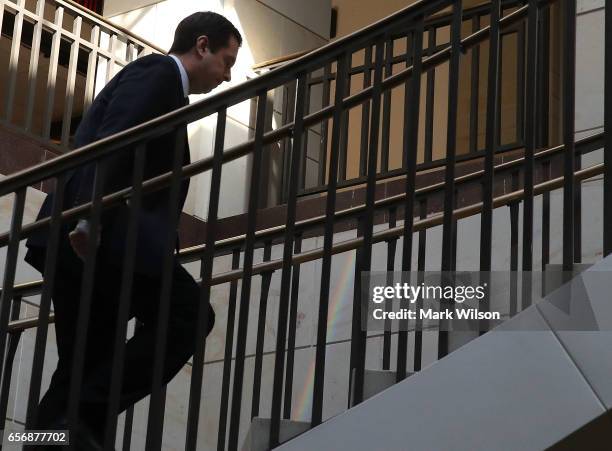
(314, 15)
(356, 14)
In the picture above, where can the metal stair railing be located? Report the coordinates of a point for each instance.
(433, 27)
(194, 254)
(336, 56)
(17, 326)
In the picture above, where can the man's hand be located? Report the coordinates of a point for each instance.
(79, 238)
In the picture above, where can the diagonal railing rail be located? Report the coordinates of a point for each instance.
(334, 62)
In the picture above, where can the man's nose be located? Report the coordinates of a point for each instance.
(227, 76)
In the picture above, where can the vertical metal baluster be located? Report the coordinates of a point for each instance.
(266, 278)
(449, 194)
(475, 88)
(366, 122)
(454, 245)
(33, 69)
(391, 246)
(429, 98)
(365, 116)
(411, 135)
(206, 265)
(283, 308)
(531, 128)
(197, 372)
(324, 126)
(330, 207)
(45, 303)
(492, 131)
(569, 86)
(87, 285)
(578, 214)
(162, 404)
(127, 429)
(131, 52)
(110, 67)
(304, 149)
(545, 221)
(358, 335)
(295, 287)
(92, 64)
(520, 85)
(11, 266)
(543, 77)
(245, 292)
(514, 238)
(9, 359)
(356, 321)
(498, 105)
(493, 120)
(418, 333)
(52, 75)
(156, 413)
(288, 100)
(123, 312)
(227, 357)
(11, 86)
(129, 414)
(386, 121)
(343, 156)
(70, 82)
(607, 223)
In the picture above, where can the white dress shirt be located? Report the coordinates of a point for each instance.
(184, 77)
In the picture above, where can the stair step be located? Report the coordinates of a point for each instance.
(374, 381)
(258, 436)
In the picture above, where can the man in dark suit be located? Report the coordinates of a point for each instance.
(202, 55)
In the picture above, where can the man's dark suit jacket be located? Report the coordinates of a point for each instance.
(146, 88)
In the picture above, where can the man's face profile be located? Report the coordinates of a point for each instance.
(213, 68)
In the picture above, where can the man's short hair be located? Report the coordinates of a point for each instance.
(215, 26)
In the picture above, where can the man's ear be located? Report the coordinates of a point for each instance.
(202, 45)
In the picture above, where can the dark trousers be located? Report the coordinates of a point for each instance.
(139, 350)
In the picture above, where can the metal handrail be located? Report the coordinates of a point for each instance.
(32, 288)
(583, 146)
(109, 24)
(281, 59)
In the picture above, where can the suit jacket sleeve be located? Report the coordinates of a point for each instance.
(141, 93)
